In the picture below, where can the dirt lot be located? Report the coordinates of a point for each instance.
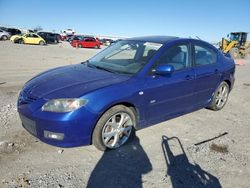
(150, 160)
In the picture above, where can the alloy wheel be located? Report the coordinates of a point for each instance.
(221, 96)
(117, 130)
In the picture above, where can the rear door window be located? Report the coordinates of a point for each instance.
(86, 40)
(204, 55)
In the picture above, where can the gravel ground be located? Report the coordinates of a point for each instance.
(164, 155)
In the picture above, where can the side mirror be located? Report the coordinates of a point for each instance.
(164, 69)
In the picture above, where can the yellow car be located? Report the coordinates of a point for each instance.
(29, 38)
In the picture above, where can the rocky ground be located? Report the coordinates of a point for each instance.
(164, 155)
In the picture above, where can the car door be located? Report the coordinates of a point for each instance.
(86, 42)
(93, 43)
(35, 39)
(31, 39)
(207, 74)
(89, 43)
(172, 94)
(27, 39)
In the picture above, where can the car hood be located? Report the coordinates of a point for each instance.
(71, 81)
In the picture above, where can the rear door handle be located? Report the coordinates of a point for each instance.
(216, 71)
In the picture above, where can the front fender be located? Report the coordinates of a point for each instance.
(101, 100)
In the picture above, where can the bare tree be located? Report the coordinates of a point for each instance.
(38, 28)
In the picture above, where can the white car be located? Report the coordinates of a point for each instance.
(4, 35)
(68, 32)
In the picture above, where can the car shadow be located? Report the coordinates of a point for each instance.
(122, 167)
(181, 172)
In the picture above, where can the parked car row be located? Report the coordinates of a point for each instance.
(27, 36)
(86, 41)
(30, 37)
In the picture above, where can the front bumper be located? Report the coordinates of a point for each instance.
(70, 129)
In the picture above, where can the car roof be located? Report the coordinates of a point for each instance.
(166, 39)
(156, 39)
(31, 33)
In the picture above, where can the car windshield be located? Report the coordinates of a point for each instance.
(125, 56)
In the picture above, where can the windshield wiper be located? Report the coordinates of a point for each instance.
(99, 67)
(103, 68)
(87, 61)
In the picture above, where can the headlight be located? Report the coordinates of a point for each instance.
(63, 105)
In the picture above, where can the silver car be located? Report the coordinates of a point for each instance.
(4, 35)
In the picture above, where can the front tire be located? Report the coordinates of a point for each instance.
(220, 97)
(21, 41)
(114, 128)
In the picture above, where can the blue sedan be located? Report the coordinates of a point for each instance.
(130, 85)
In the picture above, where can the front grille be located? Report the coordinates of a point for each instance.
(29, 124)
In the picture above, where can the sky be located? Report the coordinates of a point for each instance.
(209, 20)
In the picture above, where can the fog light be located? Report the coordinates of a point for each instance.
(52, 135)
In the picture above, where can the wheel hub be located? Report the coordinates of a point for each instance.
(221, 96)
(117, 130)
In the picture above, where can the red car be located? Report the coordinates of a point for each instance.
(86, 42)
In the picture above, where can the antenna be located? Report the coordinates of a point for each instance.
(198, 37)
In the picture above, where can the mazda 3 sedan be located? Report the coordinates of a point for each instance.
(130, 85)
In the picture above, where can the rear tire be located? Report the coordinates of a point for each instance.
(220, 97)
(41, 43)
(114, 128)
(4, 37)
